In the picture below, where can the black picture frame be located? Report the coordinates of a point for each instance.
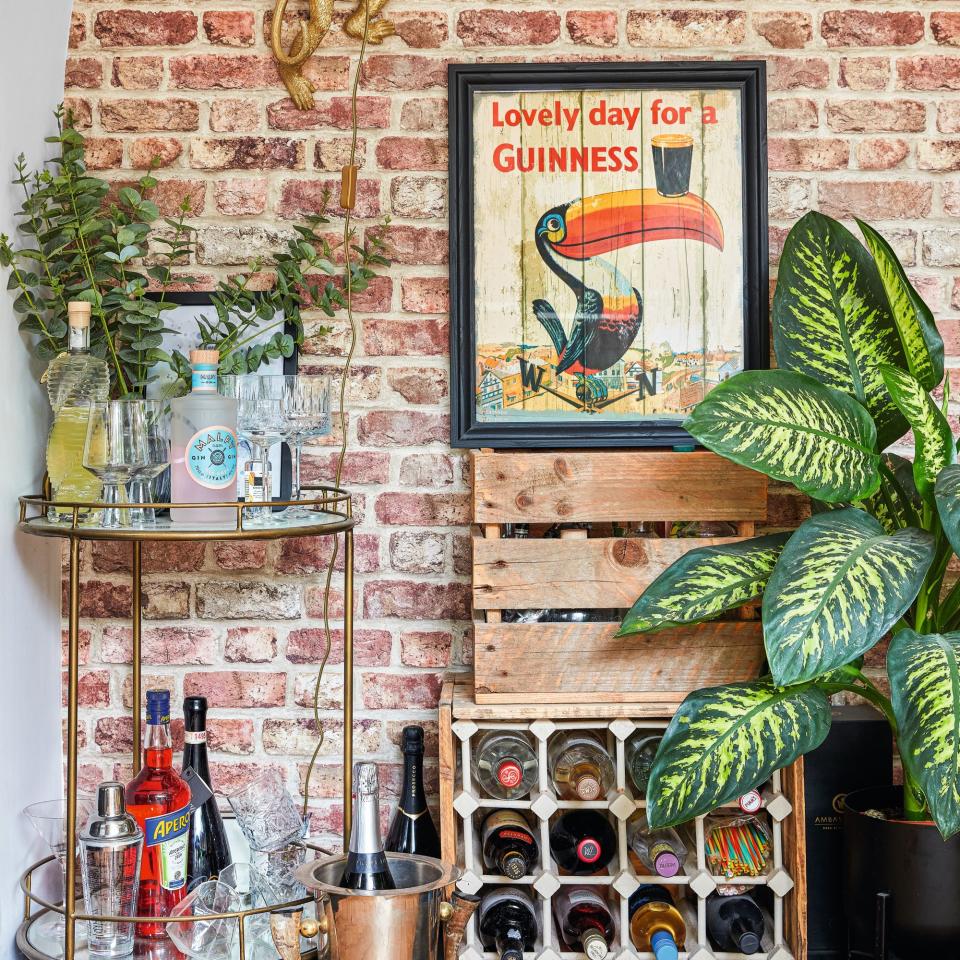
(748, 77)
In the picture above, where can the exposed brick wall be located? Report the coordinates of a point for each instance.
(863, 119)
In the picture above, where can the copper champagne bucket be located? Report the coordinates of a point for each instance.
(400, 924)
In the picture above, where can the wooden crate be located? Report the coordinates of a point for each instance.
(462, 720)
(547, 662)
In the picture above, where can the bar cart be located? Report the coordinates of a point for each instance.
(328, 512)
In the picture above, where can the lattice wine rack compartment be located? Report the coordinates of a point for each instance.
(625, 872)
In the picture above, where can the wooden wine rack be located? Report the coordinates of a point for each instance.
(462, 720)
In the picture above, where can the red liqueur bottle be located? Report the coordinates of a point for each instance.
(159, 799)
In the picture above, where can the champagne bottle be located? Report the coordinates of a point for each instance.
(366, 867)
(584, 918)
(509, 845)
(413, 829)
(580, 765)
(208, 851)
(505, 764)
(734, 924)
(582, 841)
(656, 926)
(508, 922)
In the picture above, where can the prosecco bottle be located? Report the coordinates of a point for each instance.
(509, 845)
(508, 922)
(208, 851)
(413, 829)
(367, 867)
(582, 841)
(584, 919)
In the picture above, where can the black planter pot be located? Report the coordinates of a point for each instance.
(912, 863)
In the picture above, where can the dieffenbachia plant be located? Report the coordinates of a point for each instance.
(857, 353)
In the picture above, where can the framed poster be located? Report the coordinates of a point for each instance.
(608, 247)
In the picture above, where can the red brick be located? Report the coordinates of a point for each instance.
(429, 509)
(928, 73)
(784, 29)
(950, 192)
(79, 111)
(403, 72)
(331, 691)
(372, 113)
(416, 245)
(231, 777)
(428, 113)
(507, 28)
(857, 116)
(372, 648)
(142, 28)
(161, 645)
(229, 735)
(234, 115)
(166, 601)
(230, 28)
(390, 337)
(792, 73)
(147, 151)
(247, 153)
(389, 692)
(333, 153)
(462, 555)
(137, 73)
(429, 470)
(214, 71)
(938, 155)
(299, 737)
(593, 28)
(100, 598)
(424, 294)
(425, 648)
(360, 467)
(948, 117)
(134, 115)
(808, 154)
(300, 197)
(250, 645)
(240, 555)
(864, 73)
(78, 29)
(412, 153)
(866, 28)
(86, 72)
(328, 73)
(102, 153)
(419, 198)
(695, 27)
(237, 197)
(114, 735)
(876, 200)
(421, 29)
(93, 688)
(418, 551)
(402, 428)
(881, 153)
(117, 557)
(235, 688)
(419, 385)
(169, 196)
(84, 647)
(308, 555)
(945, 27)
(789, 115)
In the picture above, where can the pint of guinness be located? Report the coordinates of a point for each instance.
(672, 156)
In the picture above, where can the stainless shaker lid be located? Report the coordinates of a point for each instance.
(111, 821)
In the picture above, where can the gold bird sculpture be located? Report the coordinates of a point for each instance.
(365, 19)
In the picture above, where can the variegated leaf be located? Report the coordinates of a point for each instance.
(922, 343)
(897, 504)
(724, 741)
(840, 584)
(925, 691)
(831, 318)
(947, 494)
(931, 432)
(703, 583)
(793, 428)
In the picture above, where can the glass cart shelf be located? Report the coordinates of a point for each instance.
(330, 513)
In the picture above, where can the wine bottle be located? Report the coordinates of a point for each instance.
(641, 749)
(734, 924)
(505, 764)
(508, 922)
(509, 845)
(661, 851)
(584, 918)
(413, 829)
(582, 841)
(367, 867)
(656, 925)
(580, 765)
(208, 851)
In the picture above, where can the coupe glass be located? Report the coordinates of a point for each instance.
(157, 420)
(115, 447)
(306, 409)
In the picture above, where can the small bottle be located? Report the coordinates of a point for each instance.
(509, 845)
(582, 841)
(159, 800)
(208, 852)
(413, 829)
(750, 802)
(580, 765)
(656, 925)
(74, 379)
(366, 867)
(661, 851)
(203, 464)
(584, 919)
(641, 751)
(734, 924)
(110, 848)
(505, 764)
(508, 922)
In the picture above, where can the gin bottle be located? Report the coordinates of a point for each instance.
(203, 466)
(74, 380)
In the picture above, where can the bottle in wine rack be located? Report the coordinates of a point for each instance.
(366, 867)
(656, 925)
(660, 851)
(413, 829)
(582, 841)
(508, 922)
(505, 764)
(584, 920)
(509, 845)
(734, 924)
(580, 765)
(641, 750)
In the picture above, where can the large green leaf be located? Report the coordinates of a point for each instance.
(925, 691)
(792, 428)
(840, 584)
(831, 318)
(931, 431)
(922, 343)
(724, 741)
(703, 583)
(947, 493)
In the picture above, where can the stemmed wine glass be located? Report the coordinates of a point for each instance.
(115, 447)
(156, 420)
(306, 409)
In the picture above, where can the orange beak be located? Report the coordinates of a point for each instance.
(610, 221)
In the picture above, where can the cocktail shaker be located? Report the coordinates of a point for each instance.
(110, 849)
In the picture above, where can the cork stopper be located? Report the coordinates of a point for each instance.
(78, 313)
(204, 356)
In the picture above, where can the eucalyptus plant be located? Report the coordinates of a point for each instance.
(858, 355)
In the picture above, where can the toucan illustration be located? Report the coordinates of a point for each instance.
(609, 308)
